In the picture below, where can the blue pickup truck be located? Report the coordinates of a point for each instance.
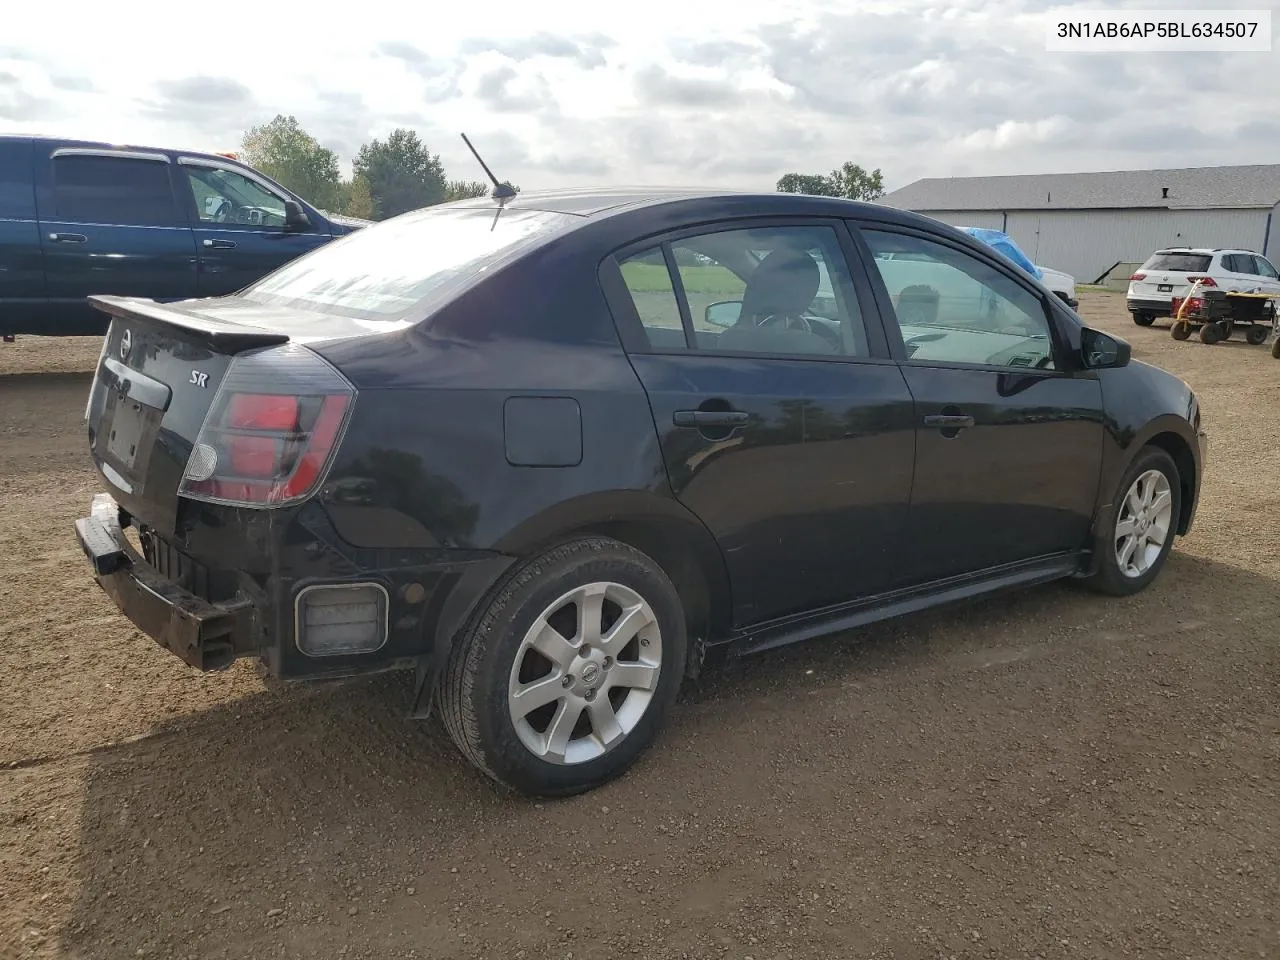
(80, 218)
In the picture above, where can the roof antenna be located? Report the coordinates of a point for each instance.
(502, 192)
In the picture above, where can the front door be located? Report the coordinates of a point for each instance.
(1008, 444)
(784, 425)
(110, 224)
(240, 227)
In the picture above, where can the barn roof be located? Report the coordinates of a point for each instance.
(1257, 185)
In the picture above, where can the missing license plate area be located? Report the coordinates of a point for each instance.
(128, 423)
(1165, 288)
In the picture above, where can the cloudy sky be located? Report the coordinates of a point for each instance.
(704, 92)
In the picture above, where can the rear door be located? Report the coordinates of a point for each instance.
(783, 422)
(109, 224)
(239, 223)
(24, 304)
(1239, 273)
(1008, 440)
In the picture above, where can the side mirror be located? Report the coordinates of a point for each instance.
(1101, 351)
(723, 313)
(294, 216)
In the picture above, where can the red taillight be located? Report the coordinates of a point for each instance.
(1138, 276)
(267, 449)
(254, 456)
(262, 411)
(323, 436)
(1203, 281)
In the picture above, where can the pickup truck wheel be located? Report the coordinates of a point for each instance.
(1137, 530)
(564, 677)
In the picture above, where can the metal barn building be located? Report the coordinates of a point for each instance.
(1087, 223)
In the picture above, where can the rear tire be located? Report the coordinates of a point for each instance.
(1144, 319)
(604, 695)
(1145, 508)
(1275, 348)
(1209, 333)
(1256, 335)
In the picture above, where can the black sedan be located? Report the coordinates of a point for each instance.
(553, 453)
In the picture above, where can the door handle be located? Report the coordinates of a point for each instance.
(68, 237)
(948, 421)
(221, 244)
(709, 418)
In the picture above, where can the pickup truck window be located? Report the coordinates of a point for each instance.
(226, 197)
(115, 190)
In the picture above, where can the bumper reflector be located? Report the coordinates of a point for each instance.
(340, 619)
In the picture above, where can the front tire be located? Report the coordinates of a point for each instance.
(564, 677)
(1138, 528)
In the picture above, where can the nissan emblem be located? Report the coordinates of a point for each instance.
(126, 344)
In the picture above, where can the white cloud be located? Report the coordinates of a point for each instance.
(731, 92)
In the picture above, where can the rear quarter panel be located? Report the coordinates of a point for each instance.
(434, 456)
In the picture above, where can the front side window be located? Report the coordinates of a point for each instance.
(393, 270)
(225, 197)
(113, 190)
(954, 308)
(781, 291)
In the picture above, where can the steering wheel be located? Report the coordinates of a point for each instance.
(789, 322)
(224, 211)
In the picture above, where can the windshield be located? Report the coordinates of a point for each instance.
(390, 270)
(1188, 262)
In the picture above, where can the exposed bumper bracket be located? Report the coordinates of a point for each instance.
(207, 636)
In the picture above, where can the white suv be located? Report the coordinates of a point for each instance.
(1170, 273)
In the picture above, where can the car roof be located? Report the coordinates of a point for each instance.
(104, 145)
(1203, 251)
(593, 203)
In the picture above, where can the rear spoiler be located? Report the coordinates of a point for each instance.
(223, 336)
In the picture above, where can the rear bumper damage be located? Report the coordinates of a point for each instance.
(422, 598)
(207, 636)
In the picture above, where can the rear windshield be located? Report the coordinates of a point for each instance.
(394, 270)
(1188, 262)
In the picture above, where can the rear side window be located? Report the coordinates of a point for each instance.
(17, 193)
(113, 190)
(396, 270)
(773, 291)
(1186, 262)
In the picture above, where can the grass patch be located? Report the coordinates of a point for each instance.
(653, 278)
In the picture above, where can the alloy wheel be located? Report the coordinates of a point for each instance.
(585, 673)
(1143, 523)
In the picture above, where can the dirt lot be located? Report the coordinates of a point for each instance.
(1050, 774)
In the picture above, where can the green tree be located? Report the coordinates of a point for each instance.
(289, 155)
(850, 181)
(359, 200)
(465, 189)
(402, 173)
(811, 183)
(856, 183)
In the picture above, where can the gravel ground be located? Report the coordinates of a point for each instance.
(1049, 774)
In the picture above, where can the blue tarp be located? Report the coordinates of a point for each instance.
(1002, 242)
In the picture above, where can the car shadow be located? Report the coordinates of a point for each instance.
(294, 820)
